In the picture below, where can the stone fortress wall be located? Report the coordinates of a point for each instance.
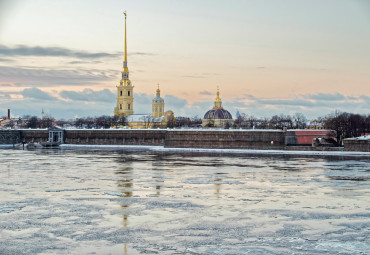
(10, 136)
(191, 138)
(226, 139)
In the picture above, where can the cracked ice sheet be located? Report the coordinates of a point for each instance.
(81, 202)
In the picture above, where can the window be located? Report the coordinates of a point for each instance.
(160, 109)
(156, 109)
(128, 106)
(120, 93)
(128, 93)
(120, 106)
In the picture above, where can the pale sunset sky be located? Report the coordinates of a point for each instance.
(267, 57)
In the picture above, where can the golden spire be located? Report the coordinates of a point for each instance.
(125, 72)
(158, 90)
(218, 102)
(125, 56)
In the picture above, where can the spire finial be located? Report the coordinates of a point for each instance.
(158, 90)
(218, 102)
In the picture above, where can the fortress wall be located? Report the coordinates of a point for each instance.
(356, 145)
(304, 137)
(10, 136)
(246, 139)
(115, 136)
(34, 135)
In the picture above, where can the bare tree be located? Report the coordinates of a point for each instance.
(148, 121)
(299, 120)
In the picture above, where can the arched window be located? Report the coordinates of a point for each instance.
(120, 93)
(128, 106)
(120, 106)
(128, 93)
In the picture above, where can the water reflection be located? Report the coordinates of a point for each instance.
(125, 184)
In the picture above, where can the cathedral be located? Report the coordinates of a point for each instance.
(217, 116)
(125, 102)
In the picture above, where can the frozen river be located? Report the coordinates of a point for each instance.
(117, 202)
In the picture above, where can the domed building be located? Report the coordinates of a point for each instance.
(157, 104)
(217, 116)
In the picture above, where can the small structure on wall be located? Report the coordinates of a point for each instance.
(56, 135)
(217, 116)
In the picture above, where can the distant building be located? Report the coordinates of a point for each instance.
(42, 114)
(217, 116)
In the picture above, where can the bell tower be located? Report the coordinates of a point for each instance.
(157, 104)
(125, 90)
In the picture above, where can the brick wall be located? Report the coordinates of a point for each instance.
(235, 139)
(10, 136)
(356, 145)
(119, 137)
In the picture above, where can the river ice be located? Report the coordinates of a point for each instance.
(120, 202)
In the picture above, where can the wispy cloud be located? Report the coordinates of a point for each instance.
(35, 93)
(24, 50)
(89, 95)
(206, 93)
(50, 77)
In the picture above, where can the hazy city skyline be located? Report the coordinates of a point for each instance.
(268, 57)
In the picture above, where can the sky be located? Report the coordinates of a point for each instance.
(267, 57)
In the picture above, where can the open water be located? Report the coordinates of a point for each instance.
(119, 202)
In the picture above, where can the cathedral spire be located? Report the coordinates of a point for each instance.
(125, 55)
(125, 92)
(125, 68)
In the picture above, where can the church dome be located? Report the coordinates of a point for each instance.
(217, 114)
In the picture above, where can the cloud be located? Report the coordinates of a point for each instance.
(5, 96)
(6, 60)
(328, 97)
(194, 76)
(24, 50)
(35, 93)
(174, 102)
(89, 95)
(50, 77)
(206, 93)
(141, 54)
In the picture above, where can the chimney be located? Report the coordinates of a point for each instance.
(8, 113)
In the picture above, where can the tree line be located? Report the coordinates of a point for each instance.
(344, 124)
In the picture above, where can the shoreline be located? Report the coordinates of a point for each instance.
(162, 149)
